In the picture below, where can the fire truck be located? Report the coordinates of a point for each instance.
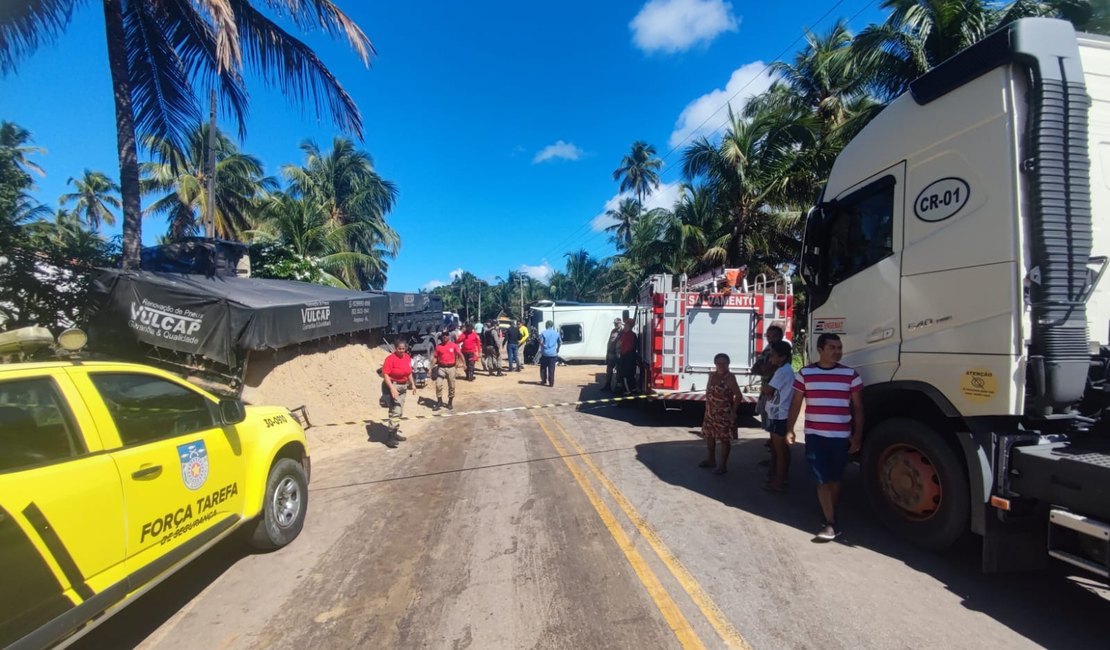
(684, 322)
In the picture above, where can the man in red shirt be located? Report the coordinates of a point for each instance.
(397, 380)
(471, 347)
(446, 355)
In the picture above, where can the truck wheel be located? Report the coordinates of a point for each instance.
(915, 483)
(283, 506)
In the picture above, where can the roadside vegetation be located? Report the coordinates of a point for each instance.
(744, 191)
(324, 219)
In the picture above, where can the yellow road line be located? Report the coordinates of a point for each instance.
(687, 638)
(712, 612)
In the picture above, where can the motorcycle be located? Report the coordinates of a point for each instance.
(421, 349)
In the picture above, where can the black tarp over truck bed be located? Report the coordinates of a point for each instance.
(221, 318)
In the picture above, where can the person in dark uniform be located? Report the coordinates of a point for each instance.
(612, 354)
(512, 343)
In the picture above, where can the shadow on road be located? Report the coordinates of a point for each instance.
(643, 412)
(1050, 607)
(132, 625)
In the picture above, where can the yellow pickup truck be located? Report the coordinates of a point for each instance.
(113, 475)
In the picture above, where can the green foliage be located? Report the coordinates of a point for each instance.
(178, 177)
(744, 192)
(163, 55)
(344, 185)
(46, 265)
(95, 196)
(299, 240)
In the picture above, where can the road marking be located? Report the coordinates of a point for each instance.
(729, 634)
(687, 638)
(305, 422)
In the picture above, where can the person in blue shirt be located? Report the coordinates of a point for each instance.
(550, 342)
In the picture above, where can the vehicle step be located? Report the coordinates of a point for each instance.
(1064, 474)
(1079, 541)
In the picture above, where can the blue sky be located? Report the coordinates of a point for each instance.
(500, 122)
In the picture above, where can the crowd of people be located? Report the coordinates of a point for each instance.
(829, 391)
(465, 346)
(833, 423)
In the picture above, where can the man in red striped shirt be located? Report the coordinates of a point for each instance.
(833, 424)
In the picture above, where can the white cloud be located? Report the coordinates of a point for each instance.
(677, 25)
(664, 196)
(456, 274)
(708, 113)
(558, 151)
(541, 271)
(432, 284)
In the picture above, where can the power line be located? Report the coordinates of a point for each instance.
(587, 237)
(723, 124)
(750, 82)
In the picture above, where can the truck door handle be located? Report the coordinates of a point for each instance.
(147, 471)
(880, 334)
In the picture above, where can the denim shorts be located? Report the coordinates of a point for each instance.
(827, 457)
(775, 427)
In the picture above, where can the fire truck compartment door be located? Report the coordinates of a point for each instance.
(711, 331)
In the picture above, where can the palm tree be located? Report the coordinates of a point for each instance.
(179, 176)
(16, 169)
(95, 196)
(466, 285)
(752, 175)
(639, 171)
(344, 182)
(160, 52)
(919, 34)
(16, 148)
(825, 79)
(559, 287)
(303, 228)
(624, 218)
(585, 277)
(698, 232)
(648, 247)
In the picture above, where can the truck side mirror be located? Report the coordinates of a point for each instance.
(809, 265)
(232, 412)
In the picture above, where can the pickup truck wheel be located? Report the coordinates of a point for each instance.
(283, 506)
(916, 483)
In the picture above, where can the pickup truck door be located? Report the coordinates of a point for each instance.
(61, 511)
(182, 472)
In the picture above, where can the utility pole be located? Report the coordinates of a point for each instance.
(210, 181)
(521, 279)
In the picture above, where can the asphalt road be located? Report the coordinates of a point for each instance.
(587, 529)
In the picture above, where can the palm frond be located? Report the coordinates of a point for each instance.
(311, 14)
(290, 65)
(27, 25)
(197, 45)
(161, 94)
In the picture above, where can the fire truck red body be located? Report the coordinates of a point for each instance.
(684, 323)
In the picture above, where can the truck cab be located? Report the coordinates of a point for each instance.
(957, 250)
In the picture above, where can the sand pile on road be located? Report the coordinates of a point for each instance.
(335, 379)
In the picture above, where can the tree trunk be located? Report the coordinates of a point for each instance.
(125, 136)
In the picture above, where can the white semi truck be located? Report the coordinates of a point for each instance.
(957, 250)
